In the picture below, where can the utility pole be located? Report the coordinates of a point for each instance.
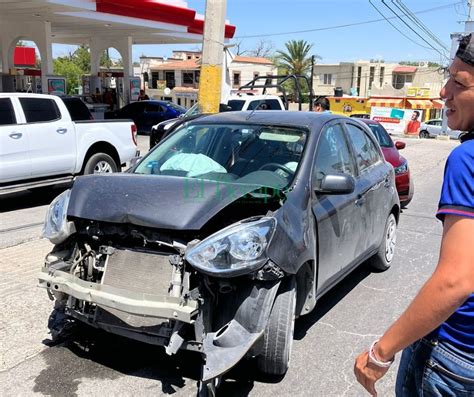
(210, 80)
(311, 92)
(468, 28)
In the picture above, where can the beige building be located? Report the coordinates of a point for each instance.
(177, 79)
(368, 78)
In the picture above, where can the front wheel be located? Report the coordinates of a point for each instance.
(424, 134)
(382, 260)
(278, 337)
(100, 163)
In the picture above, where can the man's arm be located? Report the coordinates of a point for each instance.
(446, 290)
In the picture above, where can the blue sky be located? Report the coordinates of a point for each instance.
(263, 18)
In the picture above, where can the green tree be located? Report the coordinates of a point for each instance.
(67, 67)
(295, 60)
(82, 58)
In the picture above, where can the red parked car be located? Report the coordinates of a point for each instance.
(390, 150)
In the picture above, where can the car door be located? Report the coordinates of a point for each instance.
(373, 185)
(15, 163)
(434, 127)
(338, 217)
(51, 136)
(154, 113)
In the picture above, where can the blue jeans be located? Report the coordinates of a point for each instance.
(431, 368)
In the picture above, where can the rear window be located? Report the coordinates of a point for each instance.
(7, 114)
(39, 110)
(236, 104)
(77, 109)
(265, 104)
(381, 135)
(176, 107)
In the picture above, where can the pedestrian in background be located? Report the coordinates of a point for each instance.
(143, 96)
(436, 331)
(322, 105)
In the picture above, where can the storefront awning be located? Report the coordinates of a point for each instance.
(385, 102)
(420, 103)
(438, 103)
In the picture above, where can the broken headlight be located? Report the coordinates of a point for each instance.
(56, 227)
(235, 250)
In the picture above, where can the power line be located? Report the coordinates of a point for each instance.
(398, 30)
(413, 30)
(402, 7)
(343, 26)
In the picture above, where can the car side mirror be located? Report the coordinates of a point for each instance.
(336, 184)
(134, 161)
(400, 145)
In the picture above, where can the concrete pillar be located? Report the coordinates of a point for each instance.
(210, 80)
(96, 49)
(45, 47)
(125, 49)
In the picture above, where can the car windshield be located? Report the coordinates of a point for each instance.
(250, 154)
(176, 107)
(381, 135)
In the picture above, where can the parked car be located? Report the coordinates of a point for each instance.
(403, 179)
(47, 140)
(145, 114)
(433, 128)
(161, 130)
(254, 217)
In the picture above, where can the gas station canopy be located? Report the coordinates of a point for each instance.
(100, 24)
(147, 21)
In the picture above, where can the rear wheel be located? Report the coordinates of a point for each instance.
(278, 337)
(100, 163)
(382, 260)
(424, 134)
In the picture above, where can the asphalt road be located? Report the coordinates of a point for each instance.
(345, 322)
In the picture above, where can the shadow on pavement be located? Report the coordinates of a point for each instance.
(30, 199)
(330, 299)
(93, 354)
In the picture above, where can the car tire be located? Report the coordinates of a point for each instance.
(424, 134)
(382, 260)
(278, 336)
(100, 163)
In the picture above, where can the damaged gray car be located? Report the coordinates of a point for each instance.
(222, 235)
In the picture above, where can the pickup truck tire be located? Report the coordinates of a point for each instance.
(278, 336)
(100, 163)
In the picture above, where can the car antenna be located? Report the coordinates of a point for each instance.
(256, 107)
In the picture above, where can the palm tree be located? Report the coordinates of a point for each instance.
(295, 60)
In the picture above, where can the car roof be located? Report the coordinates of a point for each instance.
(271, 117)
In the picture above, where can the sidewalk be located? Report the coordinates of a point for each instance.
(25, 307)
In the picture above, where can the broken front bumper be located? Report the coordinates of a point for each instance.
(131, 302)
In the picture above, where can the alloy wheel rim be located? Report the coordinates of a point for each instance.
(390, 239)
(102, 167)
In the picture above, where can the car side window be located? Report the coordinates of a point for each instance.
(39, 110)
(7, 113)
(153, 107)
(332, 155)
(438, 123)
(366, 151)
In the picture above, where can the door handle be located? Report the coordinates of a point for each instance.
(360, 200)
(61, 130)
(16, 135)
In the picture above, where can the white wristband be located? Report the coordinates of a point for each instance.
(374, 360)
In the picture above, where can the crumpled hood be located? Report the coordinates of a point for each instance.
(163, 202)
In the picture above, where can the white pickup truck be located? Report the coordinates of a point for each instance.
(43, 143)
